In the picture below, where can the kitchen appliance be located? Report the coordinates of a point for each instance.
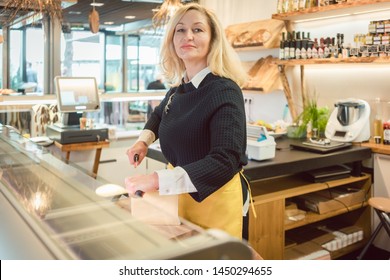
(260, 145)
(349, 121)
(330, 147)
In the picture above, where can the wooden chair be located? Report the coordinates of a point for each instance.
(381, 206)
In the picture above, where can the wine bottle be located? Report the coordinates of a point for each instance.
(378, 127)
(314, 50)
(310, 43)
(292, 46)
(287, 46)
(326, 48)
(298, 45)
(281, 46)
(304, 46)
(321, 48)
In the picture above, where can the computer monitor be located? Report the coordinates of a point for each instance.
(75, 96)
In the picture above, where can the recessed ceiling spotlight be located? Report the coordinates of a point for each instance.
(130, 17)
(108, 22)
(74, 13)
(97, 4)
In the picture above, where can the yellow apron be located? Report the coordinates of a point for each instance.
(221, 210)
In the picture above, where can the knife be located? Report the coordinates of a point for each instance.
(138, 193)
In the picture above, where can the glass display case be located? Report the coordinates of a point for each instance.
(49, 210)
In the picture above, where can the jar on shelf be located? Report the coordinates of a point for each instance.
(386, 133)
(386, 125)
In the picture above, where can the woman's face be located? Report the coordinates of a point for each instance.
(192, 38)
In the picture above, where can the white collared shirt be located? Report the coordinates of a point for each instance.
(176, 180)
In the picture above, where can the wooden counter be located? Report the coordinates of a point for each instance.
(291, 161)
(377, 148)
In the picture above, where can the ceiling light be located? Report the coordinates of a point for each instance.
(130, 17)
(108, 22)
(97, 4)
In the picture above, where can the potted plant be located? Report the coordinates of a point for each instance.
(311, 117)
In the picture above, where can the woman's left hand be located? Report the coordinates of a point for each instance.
(144, 183)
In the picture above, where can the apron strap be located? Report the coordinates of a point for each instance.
(250, 193)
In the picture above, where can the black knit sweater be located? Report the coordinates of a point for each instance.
(204, 132)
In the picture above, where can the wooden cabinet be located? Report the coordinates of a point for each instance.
(269, 229)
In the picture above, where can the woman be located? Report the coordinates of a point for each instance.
(200, 124)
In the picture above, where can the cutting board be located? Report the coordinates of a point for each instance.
(265, 33)
(155, 209)
(263, 75)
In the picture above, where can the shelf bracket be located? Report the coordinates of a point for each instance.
(287, 92)
(303, 87)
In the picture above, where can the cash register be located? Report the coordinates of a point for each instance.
(75, 97)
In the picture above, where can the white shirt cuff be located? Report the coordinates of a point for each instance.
(174, 181)
(147, 136)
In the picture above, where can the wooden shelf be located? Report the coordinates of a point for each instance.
(312, 217)
(290, 186)
(349, 249)
(269, 199)
(252, 48)
(335, 10)
(377, 148)
(349, 60)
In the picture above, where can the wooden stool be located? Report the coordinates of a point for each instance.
(381, 206)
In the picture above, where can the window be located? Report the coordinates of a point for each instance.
(82, 55)
(113, 55)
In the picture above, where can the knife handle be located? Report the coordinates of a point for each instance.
(139, 193)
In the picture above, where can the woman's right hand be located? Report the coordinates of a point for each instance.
(139, 148)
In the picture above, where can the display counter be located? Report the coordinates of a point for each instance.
(49, 210)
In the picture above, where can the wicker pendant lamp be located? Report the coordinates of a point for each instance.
(93, 19)
(165, 11)
(15, 8)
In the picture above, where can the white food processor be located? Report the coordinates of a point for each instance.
(349, 121)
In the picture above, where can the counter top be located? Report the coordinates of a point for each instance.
(377, 148)
(290, 161)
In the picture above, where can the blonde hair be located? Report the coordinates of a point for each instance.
(222, 59)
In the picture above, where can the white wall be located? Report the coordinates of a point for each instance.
(270, 106)
(330, 82)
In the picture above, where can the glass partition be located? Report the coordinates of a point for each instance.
(124, 111)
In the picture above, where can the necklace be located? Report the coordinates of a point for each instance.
(166, 108)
